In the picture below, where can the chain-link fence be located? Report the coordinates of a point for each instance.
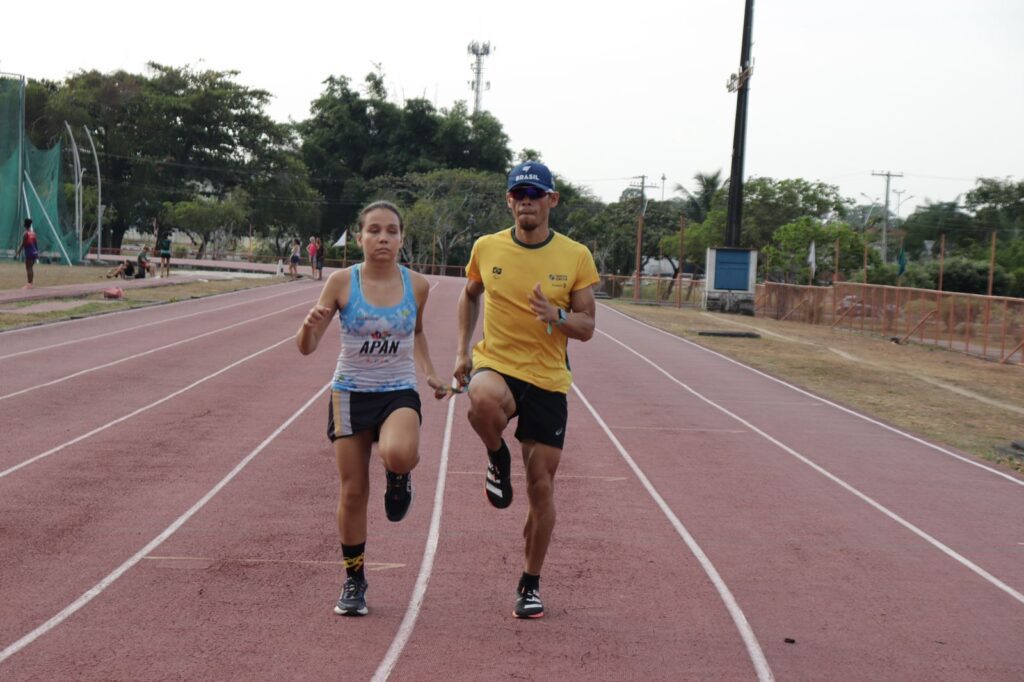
(991, 327)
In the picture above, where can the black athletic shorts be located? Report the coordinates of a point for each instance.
(348, 412)
(541, 415)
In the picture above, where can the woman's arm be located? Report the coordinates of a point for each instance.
(333, 297)
(421, 349)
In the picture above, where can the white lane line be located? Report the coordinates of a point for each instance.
(142, 326)
(945, 549)
(98, 588)
(141, 409)
(847, 410)
(148, 352)
(757, 657)
(387, 664)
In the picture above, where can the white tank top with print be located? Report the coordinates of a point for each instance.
(376, 343)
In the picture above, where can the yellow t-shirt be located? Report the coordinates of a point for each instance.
(515, 342)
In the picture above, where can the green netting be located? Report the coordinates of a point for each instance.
(30, 183)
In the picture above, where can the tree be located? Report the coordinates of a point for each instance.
(930, 221)
(351, 140)
(768, 204)
(205, 218)
(167, 137)
(998, 205)
(698, 202)
(445, 210)
(786, 258)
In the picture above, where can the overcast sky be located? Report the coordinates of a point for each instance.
(608, 91)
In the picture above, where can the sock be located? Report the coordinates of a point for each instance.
(352, 557)
(529, 582)
(502, 451)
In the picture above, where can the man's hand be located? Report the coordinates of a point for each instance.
(462, 371)
(542, 308)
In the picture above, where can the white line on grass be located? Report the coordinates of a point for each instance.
(427, 565)
(142, 326)
(140, 410)
(945, 549)
(757, 657)
(98, 588)
(144, 353)
(847, 410)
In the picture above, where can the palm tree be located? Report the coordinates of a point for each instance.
(698, 203)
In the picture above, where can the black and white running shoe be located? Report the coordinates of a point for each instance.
(528, 604)
(352, 601)
(398, 496)
(499, 478)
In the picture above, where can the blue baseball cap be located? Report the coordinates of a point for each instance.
(532, 173)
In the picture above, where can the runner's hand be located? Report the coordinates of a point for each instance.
(441, 389)
(461, 373)
(316, 315)
(544, 311)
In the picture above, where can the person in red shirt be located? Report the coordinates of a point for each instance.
(30, 245)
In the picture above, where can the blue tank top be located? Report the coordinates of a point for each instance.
(376, 343)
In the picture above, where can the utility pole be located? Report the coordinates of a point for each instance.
(885, 226)
(739, 83)
(477, 85)
(663, 187)
(640, 231)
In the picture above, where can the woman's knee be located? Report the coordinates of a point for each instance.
(400, 458)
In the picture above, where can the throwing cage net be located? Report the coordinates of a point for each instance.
(30, 183)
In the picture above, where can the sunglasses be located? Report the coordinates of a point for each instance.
(528, 192)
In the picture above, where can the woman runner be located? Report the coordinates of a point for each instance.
(373, 395)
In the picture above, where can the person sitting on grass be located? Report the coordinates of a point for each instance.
(145, 265)
(125, 270)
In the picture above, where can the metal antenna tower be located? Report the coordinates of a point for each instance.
(477, 85)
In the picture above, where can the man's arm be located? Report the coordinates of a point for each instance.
(577, 322)
(469, 312)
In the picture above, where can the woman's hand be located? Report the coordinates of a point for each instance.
(316, 315)
(441, 389)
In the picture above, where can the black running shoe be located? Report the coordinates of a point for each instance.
(499, 478)
(398, 496)
(528, 604)
(352, 601)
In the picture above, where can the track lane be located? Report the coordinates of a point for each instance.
(48, 418)
(60, 364)
(250, 591)
(947, 497)
(808, 560)
(250, 555)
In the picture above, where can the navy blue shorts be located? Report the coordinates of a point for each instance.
(350, 413)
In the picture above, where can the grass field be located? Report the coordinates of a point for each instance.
(12, 276)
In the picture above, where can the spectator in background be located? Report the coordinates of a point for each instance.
(165, 255)
(145, 266)
(311, 250)
(293, 263)
(321, 251)
(125, 270)
(30, 245)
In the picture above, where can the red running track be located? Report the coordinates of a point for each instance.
(167, 497)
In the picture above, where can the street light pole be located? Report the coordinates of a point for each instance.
(871, 209)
